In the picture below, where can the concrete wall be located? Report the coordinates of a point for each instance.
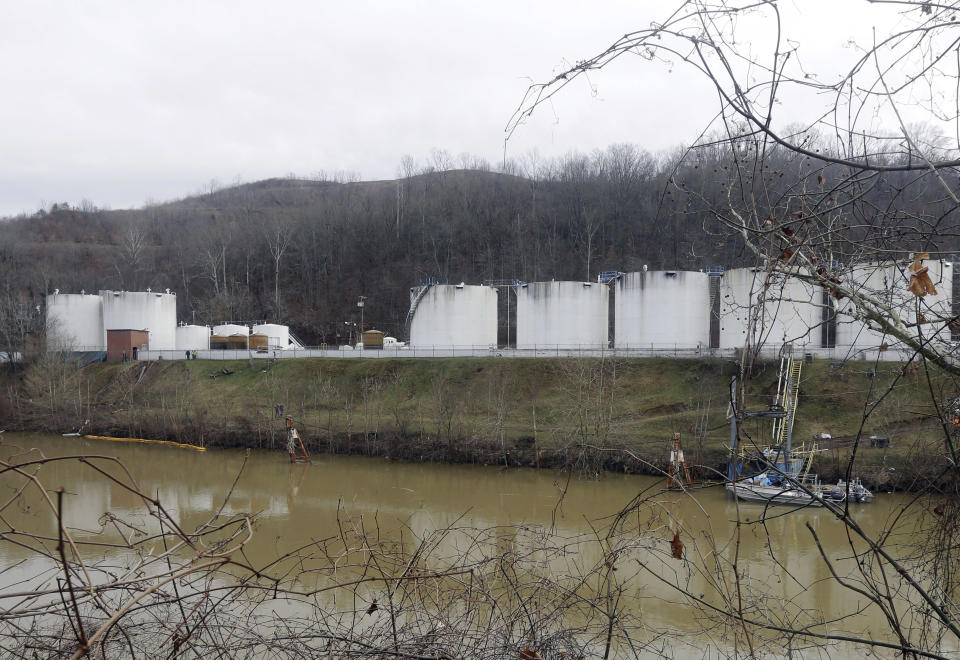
(568, 314)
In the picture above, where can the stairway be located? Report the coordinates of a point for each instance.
(421, 292)
(715, 274)
(788, 394)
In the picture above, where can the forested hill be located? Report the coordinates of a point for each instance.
(301, 251)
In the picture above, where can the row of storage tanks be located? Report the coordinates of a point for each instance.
(679, 309)
(80, 321)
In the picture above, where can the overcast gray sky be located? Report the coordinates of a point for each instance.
(126, 101)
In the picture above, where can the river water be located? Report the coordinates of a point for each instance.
(778, 561)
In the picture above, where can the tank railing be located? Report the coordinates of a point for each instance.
(296, 339)
(837, 353)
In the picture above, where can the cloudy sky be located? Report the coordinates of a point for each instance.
(129, 101)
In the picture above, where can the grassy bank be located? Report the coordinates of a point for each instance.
(613, 414)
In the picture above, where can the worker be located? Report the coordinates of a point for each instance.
(292, 444)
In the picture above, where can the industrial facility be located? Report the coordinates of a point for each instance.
(120, 325)
(685, 312)
(680, 313)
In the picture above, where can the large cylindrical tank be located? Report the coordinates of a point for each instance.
(75, 322)
(781, 309)
(563, 314)
(889, 284)
(143, 310)
(193, 338)
(228, 329)
(454, 315)
(868, 279)
(278, 336)
(665, 308)
(937, 308)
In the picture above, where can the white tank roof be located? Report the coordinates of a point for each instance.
(563, 314)
(662, 309)
(228, 329)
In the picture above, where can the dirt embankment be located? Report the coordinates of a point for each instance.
(589, 414)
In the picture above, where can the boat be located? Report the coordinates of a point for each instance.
(755, 490)
(77, 432)
(783, 474)
(783, 481)
(855, 491)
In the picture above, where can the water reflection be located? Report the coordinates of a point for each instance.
(776, 557)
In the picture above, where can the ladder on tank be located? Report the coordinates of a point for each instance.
(715, 275)
(607, 276)
(788, 395)
(295, 342)
(421, 292)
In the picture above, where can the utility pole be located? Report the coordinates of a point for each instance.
(360, 305)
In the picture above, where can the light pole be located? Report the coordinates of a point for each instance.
(360, 305)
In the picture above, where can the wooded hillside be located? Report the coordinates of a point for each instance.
(300, 251)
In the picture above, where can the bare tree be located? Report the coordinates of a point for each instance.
(278, 235)
(858, 202)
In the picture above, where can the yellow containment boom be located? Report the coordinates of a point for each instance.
(151, 442)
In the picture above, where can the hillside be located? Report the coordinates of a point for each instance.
(590, 413)
(301, 251)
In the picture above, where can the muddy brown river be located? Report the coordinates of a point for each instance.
(777, 559)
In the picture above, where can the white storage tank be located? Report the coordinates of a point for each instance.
(451, 315)
(230, 329)
(791, 310)
(193, 338)
(889, 284)
(143, 310)
(74, 322)
(662, 309)
(938, 308)
(278, 336)
(563, 314)
(869, 279)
